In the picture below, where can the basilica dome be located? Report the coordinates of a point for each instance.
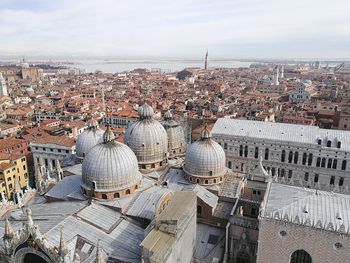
(205, 161)
(110, 169)
(176, 135)
(148, 140)
(89, 138)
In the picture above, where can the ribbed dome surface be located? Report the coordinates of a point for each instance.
(88, 139)
(176, 135)
(205, 158)
(145, 111)
(111, 166)
(148, 139)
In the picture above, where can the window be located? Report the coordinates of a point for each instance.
(290, 174)
(329, 143)
(335, 163)
(230, 164)
(300, 256)
(306, 177)
(225, 146)
(93, 185)
(331, 182)
(304, 158)
(343, 165)
(44, 149)
(206, 182)
(266, 153)
(116, 195)
(296, 157)
(319, 141)
(283, 156)
(241, 150)
(309, 161)
(67, 151)
(329, 165)
(210, 173)
(253, 211)
(197, 181)
(127, 192)
(339, 145)
(316, 178)
(256, 153)
(323, 162)
(246, 151)
(290, 157)
(104, 196)
(341, 181)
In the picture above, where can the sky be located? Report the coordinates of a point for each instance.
(182, 29)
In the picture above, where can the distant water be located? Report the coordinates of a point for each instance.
(113, 66)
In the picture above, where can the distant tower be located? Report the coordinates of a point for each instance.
(103, 98)
(3, 88)
(277, 76)
(206, 61)
(282, 72)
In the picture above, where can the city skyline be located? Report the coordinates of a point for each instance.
(240, 29)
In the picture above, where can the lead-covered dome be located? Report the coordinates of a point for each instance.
(89, 138)
(148, 140)
(176, 135)
(205, 161)
(110, 169)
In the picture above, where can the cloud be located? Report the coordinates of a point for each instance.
(182, 28)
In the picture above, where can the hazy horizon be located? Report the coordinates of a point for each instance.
(239, 29)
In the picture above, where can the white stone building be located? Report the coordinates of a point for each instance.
(318, 158)
(303, 225)
(299, 94)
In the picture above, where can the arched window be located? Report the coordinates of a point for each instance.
(300, 256)
(304, 158)
(335, 163)
(339, 145)
(283, 156)
(104, 196)
(116, 195)
(199, 210)
(127, 191)
(210, 173)
(241, 150)
(214, 181)
(309, 161)
(329, 143)
(197, 181)
(343, 165)
(246, 151)
(318, 162)
(296, 157)
(266, 153)
(323, 162)
(290, 157)
(329, 163)
(136, 187)
(256, 154)
(206, 182)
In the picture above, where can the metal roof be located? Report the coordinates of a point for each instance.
(309, 207)
(300, 134)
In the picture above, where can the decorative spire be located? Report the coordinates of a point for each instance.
(99, 256)
(205, 133)
(30, 222)
(108, 135)
(8, 230)
(63, 249)
(168, 115)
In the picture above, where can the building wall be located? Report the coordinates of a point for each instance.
(243, 153)
(320, 244)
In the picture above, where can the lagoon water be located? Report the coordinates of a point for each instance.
(112, 66)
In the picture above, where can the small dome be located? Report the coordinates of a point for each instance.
(205, 158)
(176, 136)
(110, 166)
(148, 139)
(145, 111)
(89, 138)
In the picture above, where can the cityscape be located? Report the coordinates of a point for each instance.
(212, 147)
